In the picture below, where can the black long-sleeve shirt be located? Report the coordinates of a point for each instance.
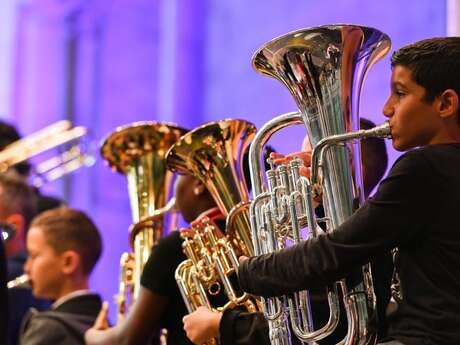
(158, 277)
(416, 208)
(238, 327)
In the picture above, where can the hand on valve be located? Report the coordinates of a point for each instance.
(202, 325)
(305, 155)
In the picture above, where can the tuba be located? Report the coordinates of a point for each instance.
(138, 151)
(323, 68)
(213, 153)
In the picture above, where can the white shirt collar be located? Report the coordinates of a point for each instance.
(69, 296)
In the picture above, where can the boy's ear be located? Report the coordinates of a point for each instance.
(70, 261)
(448, 103)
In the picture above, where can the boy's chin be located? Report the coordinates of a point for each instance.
(39, 294)
(400, 146)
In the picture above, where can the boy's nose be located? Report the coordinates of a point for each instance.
(387, 109)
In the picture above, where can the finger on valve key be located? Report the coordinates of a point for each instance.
(278, 158)
(242, 259)
(305, 156)
(102, 322)
(305, 171)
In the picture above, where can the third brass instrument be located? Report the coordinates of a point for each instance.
(56, 136)
(323, 68)
(138, 151)
(213, 153)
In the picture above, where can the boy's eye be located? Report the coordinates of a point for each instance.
(399, 93)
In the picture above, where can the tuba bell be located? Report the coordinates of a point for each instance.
(323, 68)
(213, 153)
(138, 152)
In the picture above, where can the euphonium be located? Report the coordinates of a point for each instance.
(323, 68)
(138, 151)
(213, 153)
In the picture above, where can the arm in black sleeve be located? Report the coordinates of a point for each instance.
(238, 327)
(393, 217)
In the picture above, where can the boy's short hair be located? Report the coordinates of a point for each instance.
(16, 196)
(434, 63)
(68, 229)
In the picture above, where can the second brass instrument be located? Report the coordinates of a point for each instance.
(138, 151)
(213, 153)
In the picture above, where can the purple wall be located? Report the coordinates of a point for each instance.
(108, 63)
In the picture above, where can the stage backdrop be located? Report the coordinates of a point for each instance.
(112, 62)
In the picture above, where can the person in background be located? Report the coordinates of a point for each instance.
(64, 246)
(17, 208)
(8, 135)
(20, 299)
(17, 193)
(160, 303)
